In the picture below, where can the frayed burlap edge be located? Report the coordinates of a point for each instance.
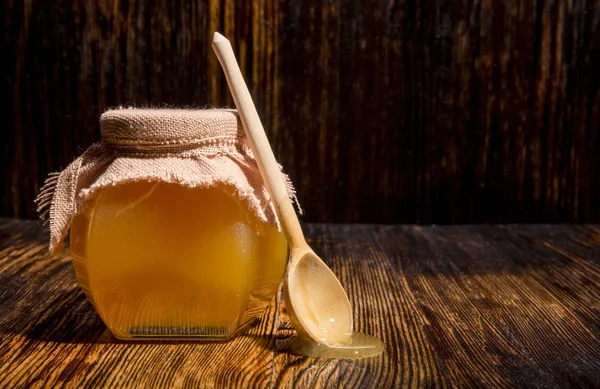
(223, 161)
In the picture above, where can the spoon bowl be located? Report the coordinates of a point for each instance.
(316, 301)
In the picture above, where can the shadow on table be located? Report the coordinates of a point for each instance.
(68, 317)
(65, 315)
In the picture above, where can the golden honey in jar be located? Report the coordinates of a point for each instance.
(160, 260)
(175, 243)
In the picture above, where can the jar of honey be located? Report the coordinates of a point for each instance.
(172, 233)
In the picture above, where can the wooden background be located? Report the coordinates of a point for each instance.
(414, 111)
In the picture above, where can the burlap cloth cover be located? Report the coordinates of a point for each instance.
(193, 148)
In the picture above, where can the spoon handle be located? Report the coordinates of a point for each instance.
(258, 142)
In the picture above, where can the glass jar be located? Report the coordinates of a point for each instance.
(159, 260)
(173, 234)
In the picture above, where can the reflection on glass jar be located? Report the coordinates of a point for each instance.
(160, 260)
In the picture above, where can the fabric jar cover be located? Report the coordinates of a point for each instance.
(193, 148)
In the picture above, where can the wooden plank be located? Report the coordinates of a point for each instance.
(495, 310)
(493, 306)
(424, 111)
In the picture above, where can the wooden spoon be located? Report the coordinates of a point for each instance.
(317, 303)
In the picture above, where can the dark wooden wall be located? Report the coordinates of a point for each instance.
(439, 111)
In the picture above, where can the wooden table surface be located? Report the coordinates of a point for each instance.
(493, 306)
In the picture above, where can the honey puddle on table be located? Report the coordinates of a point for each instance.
(357, 346)
(333, 334)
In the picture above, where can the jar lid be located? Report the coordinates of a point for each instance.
(168, 126)
(191, 148)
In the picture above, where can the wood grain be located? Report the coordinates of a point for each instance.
(413, 111)
(469, 306)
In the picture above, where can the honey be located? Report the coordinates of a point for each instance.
(357, 346)
(160, 260)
